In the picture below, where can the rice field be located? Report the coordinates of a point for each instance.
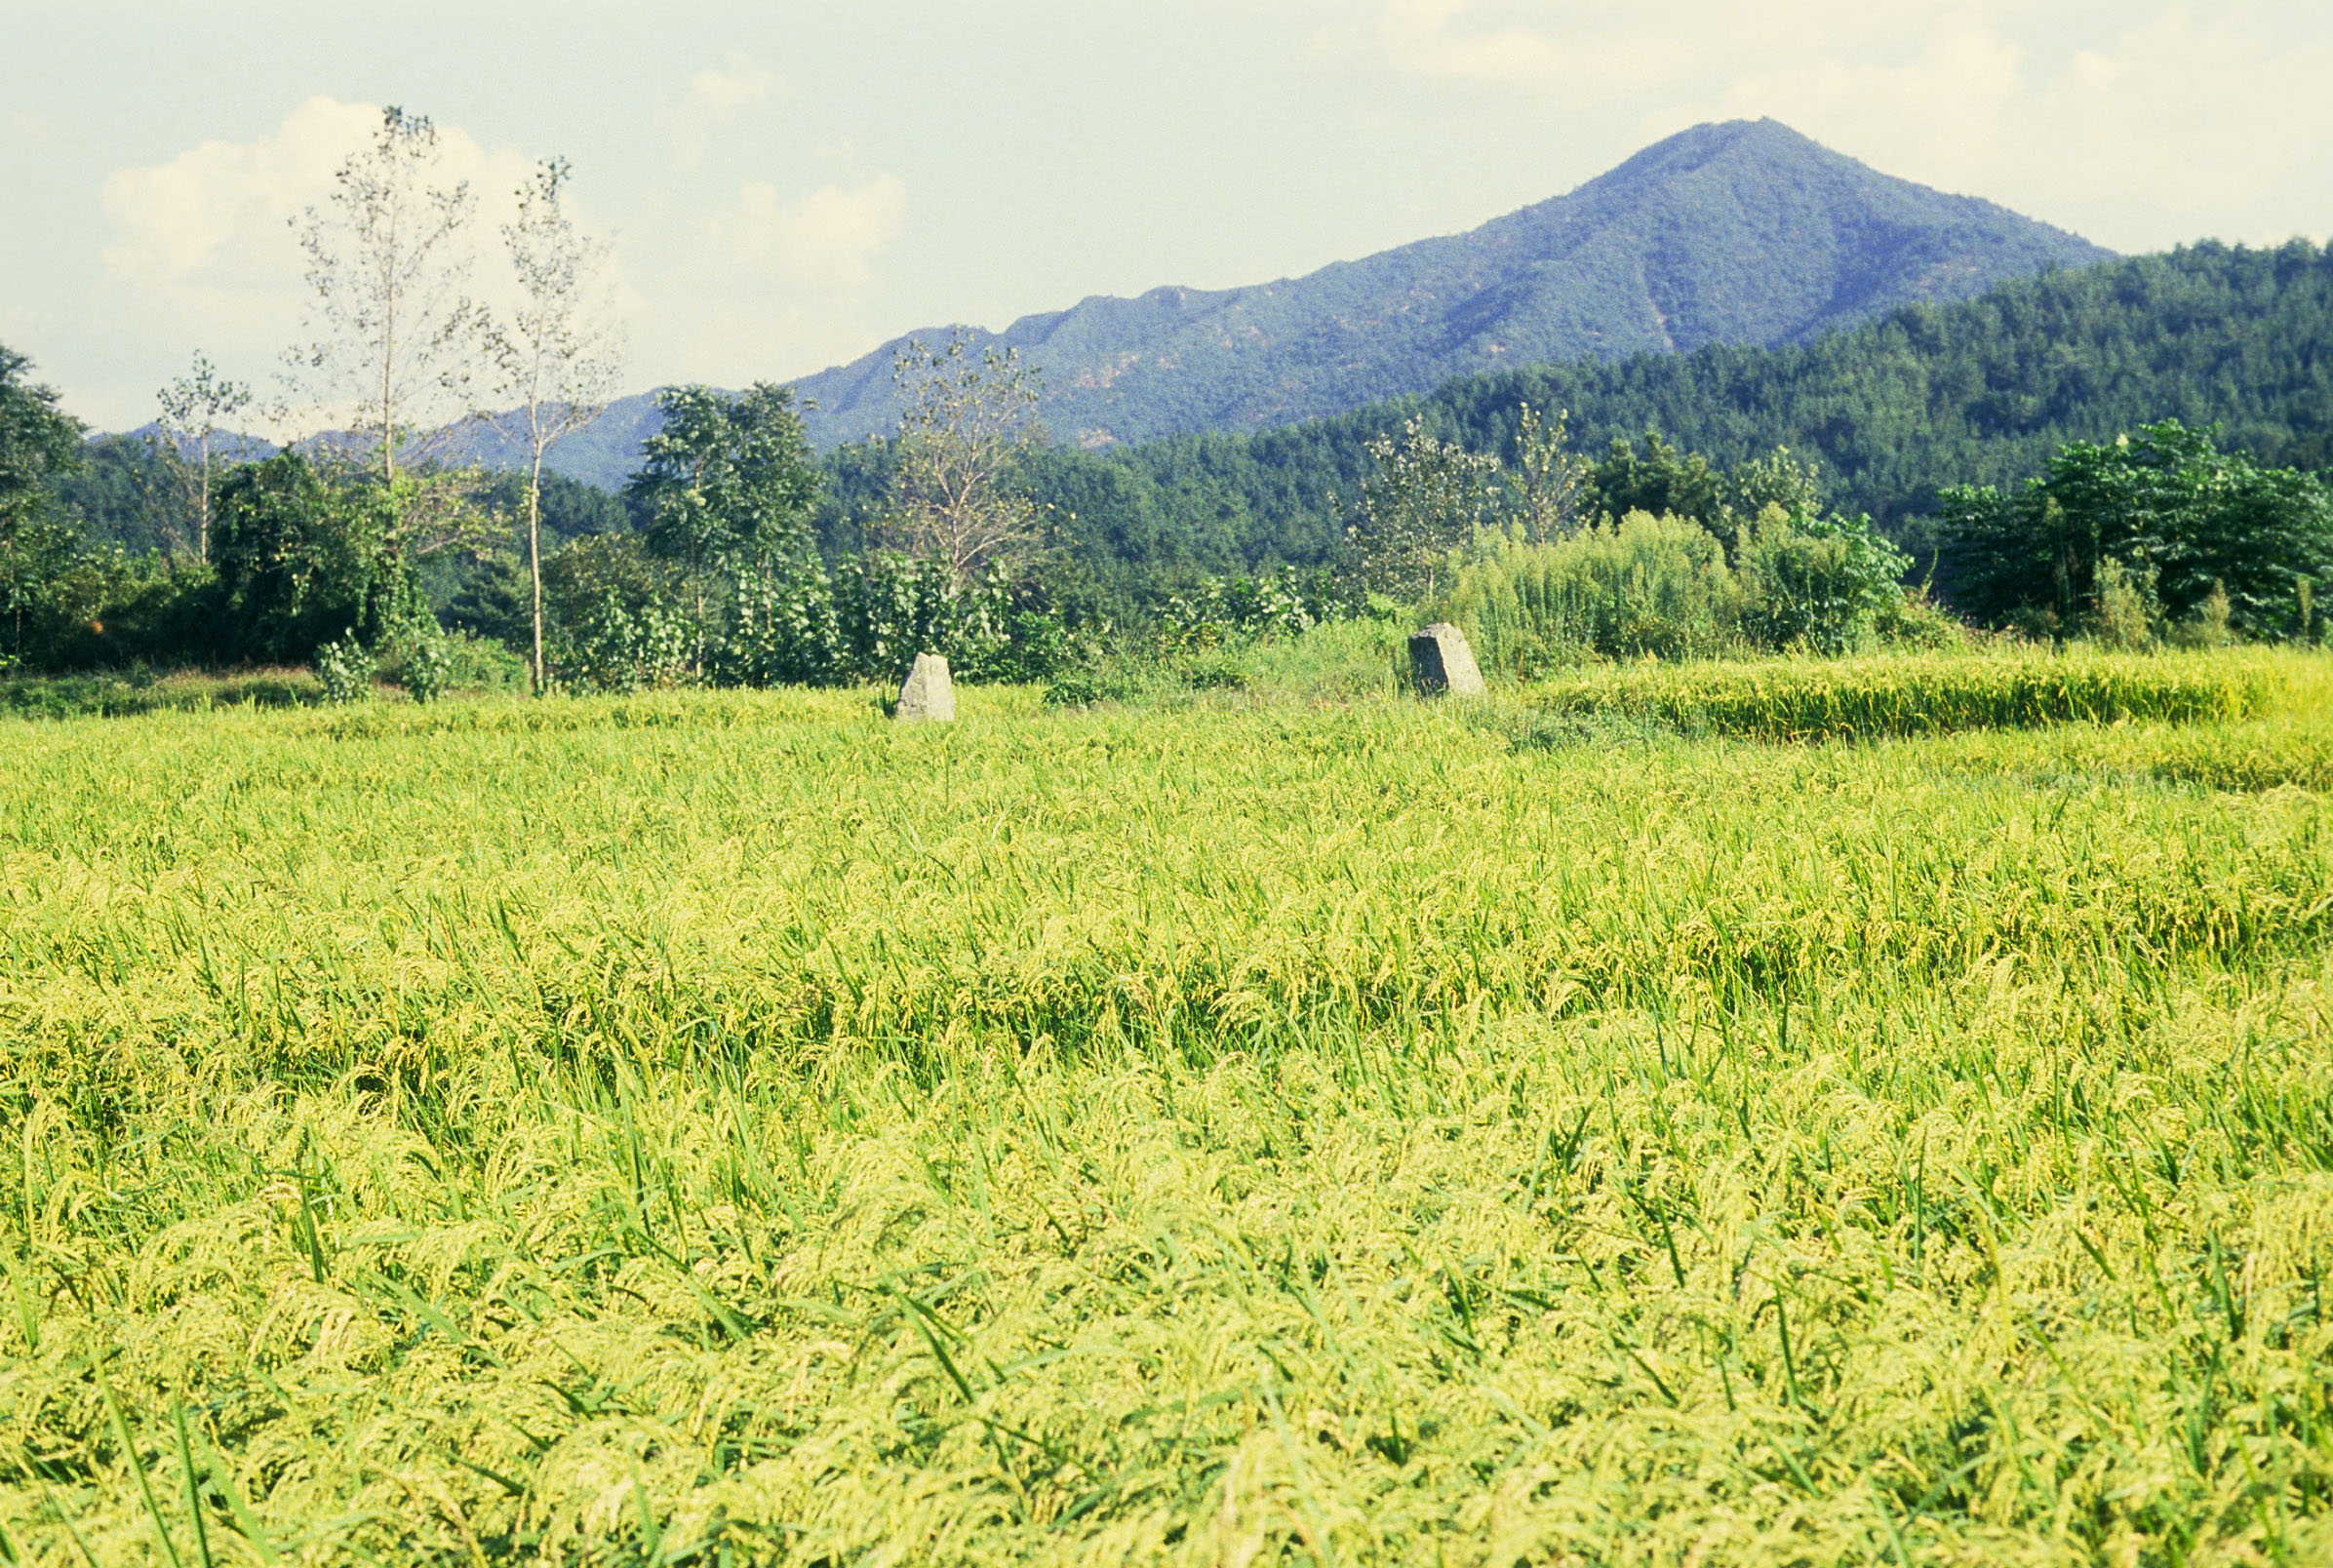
(722, 1129)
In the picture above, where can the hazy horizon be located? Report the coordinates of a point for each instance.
(786, 187)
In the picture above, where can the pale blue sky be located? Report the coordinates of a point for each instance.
(788, 185)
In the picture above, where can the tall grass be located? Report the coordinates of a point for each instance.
(727, 1127)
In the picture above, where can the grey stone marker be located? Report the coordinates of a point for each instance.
(929, 693)
(1442, 663)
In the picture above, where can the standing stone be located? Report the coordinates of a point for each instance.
(929, 693)
(1442, 663)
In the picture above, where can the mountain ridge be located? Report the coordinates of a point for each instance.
(1620, 266)
(1742, 231)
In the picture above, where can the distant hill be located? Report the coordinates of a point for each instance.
(1745, 232)
(1980, 391)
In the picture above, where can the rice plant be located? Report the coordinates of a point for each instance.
(702, 1128)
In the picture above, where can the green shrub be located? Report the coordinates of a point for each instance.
(1818, 583)
(1646, 585)
(423, 666)
(345, 670)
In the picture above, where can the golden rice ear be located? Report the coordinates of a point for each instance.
(1658, 1110)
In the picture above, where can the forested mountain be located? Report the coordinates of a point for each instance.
(1745, 232)
(1738, 233)
(1979, 391)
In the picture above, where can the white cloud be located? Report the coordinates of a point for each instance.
(2171, 125)
(212, 213)
(827, 240)
(204, 250)
(2138, 126)
(774, 287)
(1424, 37)
(717, 95)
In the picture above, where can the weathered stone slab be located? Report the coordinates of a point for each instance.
(928, 692)
(1442, 664)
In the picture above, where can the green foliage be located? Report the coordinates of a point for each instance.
(1643, 586)
(38, 444)
(345, 670)
(38, 441)
(726, 486)
(422, 663)
(1284, 602)
(1421, 499)
(726, 479)
(302, 561)
(1824, 584)
(1982, 391)
(142, 689)
(127, 493)
(2145, 529)
(571, 508)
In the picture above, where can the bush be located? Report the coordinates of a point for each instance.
(345, 670)
(2125, 612)
(423, 666)
(1913, 620)
(1644, 585)
(1817, 583)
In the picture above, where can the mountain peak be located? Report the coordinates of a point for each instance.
(1737, 231)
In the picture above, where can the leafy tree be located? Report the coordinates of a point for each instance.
(2176, 520)
(302, 562)
(557, 358)
(964, 440)
(725, 483)
(1550, 483)
(127, 492)
(1423, 500)
(38, 443)
(614, 621)
(1658, 480)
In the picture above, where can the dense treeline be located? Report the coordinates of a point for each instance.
(2019, 443)
(1897, 411)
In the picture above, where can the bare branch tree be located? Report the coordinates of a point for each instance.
(394, 329)
(967, 425)
(192, 407)
(557, 357)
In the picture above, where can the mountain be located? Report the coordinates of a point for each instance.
(1745, 232)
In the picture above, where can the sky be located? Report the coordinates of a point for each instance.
(783, 185)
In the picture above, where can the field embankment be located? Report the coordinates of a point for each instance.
(1926, 693)
(654, 1130)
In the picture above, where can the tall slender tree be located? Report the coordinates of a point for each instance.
(192, 407)
(394, 331)
(557, 355)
